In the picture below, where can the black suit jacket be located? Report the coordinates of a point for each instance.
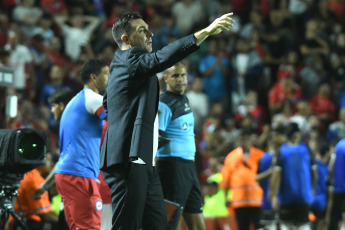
(131, 100)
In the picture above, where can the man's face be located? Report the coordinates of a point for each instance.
(56, 73)
(57, 110)
(12, 39)
(278, 138)
(140, 35)
(177, 79)
(101, 80)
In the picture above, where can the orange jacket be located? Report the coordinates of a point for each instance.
(32, 208)
(239, 175)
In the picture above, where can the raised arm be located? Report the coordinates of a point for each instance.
(220, 24)
(140, 62)
(60, 20)
(94, 22)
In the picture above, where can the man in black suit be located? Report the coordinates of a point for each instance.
(131, 101)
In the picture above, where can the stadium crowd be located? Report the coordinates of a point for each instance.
(283, 62)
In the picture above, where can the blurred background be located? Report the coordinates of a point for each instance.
(282, 62)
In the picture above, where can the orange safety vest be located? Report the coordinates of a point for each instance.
(32, 208)
(239, 175)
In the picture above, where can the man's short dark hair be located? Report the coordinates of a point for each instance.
(280, 129)
(92, 66)
(166, 71)
(323, 148)
(63, 96)
(291, 129)
(123, 26)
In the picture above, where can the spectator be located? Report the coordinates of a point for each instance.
(336, 130)
(325, 17)
(301, 116)
(241, 8)
(280, 36)
(229, 134)
(247, 68)
(312, 76)
(55, 53)
(313, 44)
(283, 118)
(20, 60)
(78, 33)
(255, 23)
(199, 103)
(214, 68)
(56, 77)
(212, 143)
(186, 14)
(337, 71)
(211, 9)
(27, 15)
(104, 39)
(322, 105)
(163, 29)
(54, 7)
(314, 128)
(44, 29)
(284, 88)
(300, 9)
(252, 108)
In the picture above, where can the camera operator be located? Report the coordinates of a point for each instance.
(36, 211)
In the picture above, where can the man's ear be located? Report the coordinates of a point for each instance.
(125, 38)
(62, 106)
(92, 76)
(165, 78)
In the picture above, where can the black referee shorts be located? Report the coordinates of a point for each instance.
(180, 183)
(296, 213)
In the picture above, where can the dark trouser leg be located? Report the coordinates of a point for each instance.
(132, 187)
(242, 218)
(155, 213)
(127, 205)
(247, 216)
(255, 217)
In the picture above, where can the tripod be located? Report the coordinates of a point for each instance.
(7, 195)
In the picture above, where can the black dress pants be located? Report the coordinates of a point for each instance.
(137, 197)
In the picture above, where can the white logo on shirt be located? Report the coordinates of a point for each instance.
(184, 126)
(99, 205)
